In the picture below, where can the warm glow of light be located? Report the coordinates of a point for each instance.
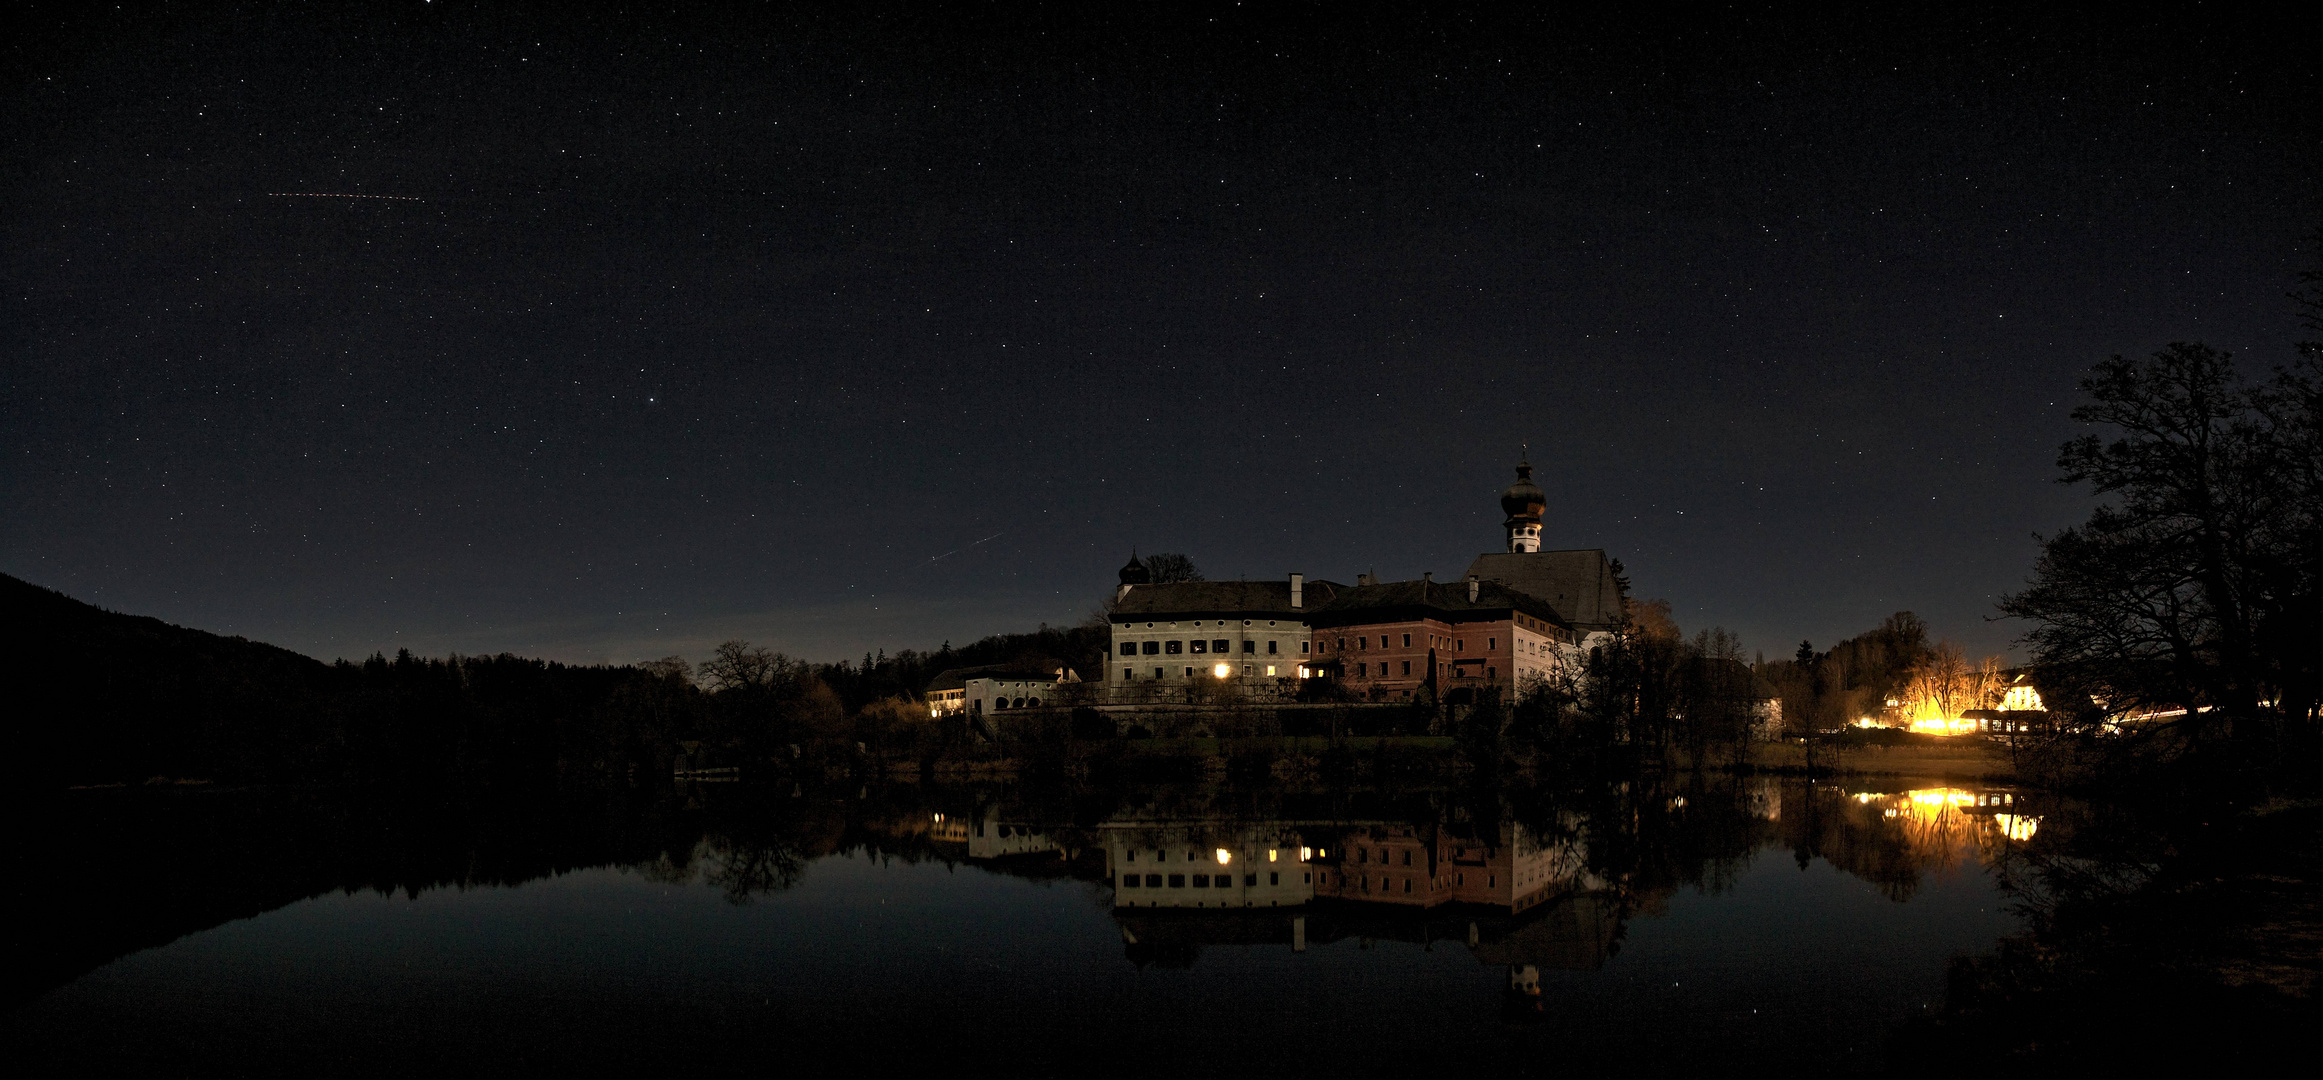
(1306, 854)
(1271, 853)
(1302, 671)
(1225, 856)
(2017, 827)
(1221, 670)
(939, 817)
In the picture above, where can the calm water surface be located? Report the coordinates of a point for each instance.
(1751, 926)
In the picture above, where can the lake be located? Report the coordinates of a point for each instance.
(1163, 929)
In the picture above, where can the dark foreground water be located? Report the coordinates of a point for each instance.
(1744, 925)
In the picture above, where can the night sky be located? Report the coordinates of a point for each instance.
(877, 330)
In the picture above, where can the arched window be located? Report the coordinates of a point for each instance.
(999, 704)
(1033, 703)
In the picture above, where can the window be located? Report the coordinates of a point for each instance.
(1407, 641)
(1342, 644)
(1153, 648)
(1221, 645)
(1307, 878)
(1273, 647)
(1407, 884)
(1303, 647)
(1407, 858)
(1153, 881)
(1177, 881)
(1460, 645)
(1201, 881)
(1223, 881)
(1129, 648)
(1252, 646)
(1362, 854)
(1128, 673)
(1491, 643)
(1365, 643)
(1157, 673)
(1173, 647)
(1383, 641)
(1270, 669)
(1132, 857)
(1199, 646)
(1407, 667)
(1361, 670)
(1273, 877)
(1129, 881)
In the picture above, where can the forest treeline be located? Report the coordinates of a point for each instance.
(100, 697)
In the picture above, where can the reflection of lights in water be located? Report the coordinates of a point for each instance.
(1938, 808)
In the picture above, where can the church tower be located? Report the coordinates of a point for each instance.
(1523, 503)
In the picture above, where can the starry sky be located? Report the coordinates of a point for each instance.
(840, 332)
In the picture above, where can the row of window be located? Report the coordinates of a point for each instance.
(1214, 645)
(1130, 674)
(1455, 644)
(1363, 670)
(1201, 881)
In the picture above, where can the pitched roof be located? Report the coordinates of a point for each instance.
(1360, 603)
(1579, 583)
(957, 678)
(1236, 598)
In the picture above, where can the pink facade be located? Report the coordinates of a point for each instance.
(1393, 659)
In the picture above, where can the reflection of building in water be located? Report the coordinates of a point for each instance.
(1285, 864)
(1942, 818)
(1395, 864)
(1207, 865)
(1567, 933)
(986, 836)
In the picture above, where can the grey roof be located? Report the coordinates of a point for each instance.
(1242, 599)
(1326, 603)
(957, 678)
(1365, 603)
(1579, 583)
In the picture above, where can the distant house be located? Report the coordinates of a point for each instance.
(995, 688)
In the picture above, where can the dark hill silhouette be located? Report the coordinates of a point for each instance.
(99, 697)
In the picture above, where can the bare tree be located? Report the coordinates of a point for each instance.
(1167, 567)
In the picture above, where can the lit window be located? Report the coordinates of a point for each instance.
(1270, 669)
(1200, 646)
(1173, 647)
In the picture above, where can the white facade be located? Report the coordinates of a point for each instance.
(1150, 650)
(1225, 867)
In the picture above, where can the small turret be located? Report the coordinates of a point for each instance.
(1523, 502)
